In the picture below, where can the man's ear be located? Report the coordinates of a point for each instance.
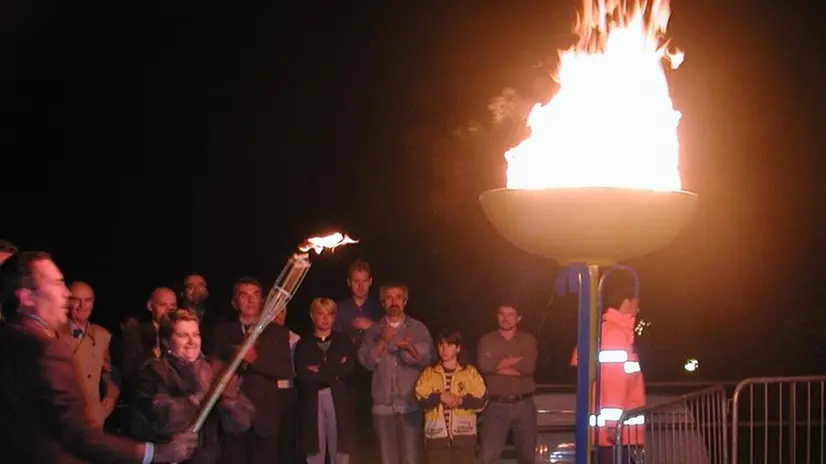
(149, 306)
(232, 302)
(518, 319)
(25, 296)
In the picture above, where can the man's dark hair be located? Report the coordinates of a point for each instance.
(510, 304)
(16, 273)
(245, 281)
(453, 337)
(617, 287)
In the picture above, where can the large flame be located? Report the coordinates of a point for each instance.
(330, 242)
(611, 122)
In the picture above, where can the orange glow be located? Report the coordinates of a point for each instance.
(330, 242)
(611, 122)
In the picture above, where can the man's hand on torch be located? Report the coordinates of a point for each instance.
(251, 355)
(179, 449)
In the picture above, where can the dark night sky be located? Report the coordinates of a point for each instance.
(144, 140)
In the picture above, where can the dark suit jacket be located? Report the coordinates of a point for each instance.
(163, 405)
(42, 403)
(138, 341)
(259, 380)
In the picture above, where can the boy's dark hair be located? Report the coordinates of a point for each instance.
(617, 287)
(450, 338)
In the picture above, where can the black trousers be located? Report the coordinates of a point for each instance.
(289, 450)
(361, 384)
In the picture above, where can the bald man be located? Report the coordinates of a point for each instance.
(90, 348)
(140, 340)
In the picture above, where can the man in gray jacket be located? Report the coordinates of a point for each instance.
(396, 349)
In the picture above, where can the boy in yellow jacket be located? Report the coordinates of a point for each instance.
(451, 395)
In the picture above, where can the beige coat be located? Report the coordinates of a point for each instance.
(91, 355)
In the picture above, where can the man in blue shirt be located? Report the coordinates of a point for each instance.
(359, 312)
(354, 316)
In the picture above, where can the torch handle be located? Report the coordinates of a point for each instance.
(281, 293)
(219, 388)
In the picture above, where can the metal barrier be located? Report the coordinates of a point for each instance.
(775, 420)
(689, 429)
(779, 420)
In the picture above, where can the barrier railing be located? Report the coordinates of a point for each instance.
(766, 420)
(779, 420)
(689, 429)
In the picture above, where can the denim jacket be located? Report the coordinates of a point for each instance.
(395, 372)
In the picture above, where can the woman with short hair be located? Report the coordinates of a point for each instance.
(172, 389)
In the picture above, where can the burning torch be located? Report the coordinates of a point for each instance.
(280, 294)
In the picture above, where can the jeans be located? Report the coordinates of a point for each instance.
(498, 420)
(400, 436)
(327, 433)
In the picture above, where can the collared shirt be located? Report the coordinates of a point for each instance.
(39, 321)
(77, 331)
(347, 310)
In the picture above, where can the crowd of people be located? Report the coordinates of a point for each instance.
(293, 398)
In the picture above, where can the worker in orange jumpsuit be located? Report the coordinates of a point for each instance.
(621, 386)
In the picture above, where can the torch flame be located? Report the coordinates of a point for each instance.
(611, 122)
(330, 242)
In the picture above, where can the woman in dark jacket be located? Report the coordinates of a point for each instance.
(171, 390)
(323, 364)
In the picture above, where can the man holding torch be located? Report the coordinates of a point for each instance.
(268, 362)
(44, 417)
